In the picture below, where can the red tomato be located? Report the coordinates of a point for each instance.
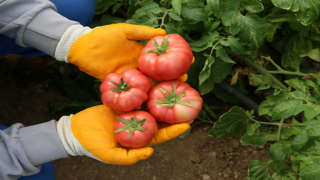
(174, 102)
(125, 91)
(166, 62)
(135, 129)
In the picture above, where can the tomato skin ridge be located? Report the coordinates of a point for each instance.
(170, 65)
(179, 113)
(130, 98)
(138, 138)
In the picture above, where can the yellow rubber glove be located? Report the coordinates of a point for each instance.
(89, 133)
(110, 48)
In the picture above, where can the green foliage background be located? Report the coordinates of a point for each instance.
(278, 38)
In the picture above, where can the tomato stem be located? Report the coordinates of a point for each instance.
(132, 125)
(120, 87)
(172, 99)
(162, 49)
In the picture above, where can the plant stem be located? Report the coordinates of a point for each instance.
(276, 124)
(262, 70)
(276, 65)
(204, 120)
(281, 71)
(214, 46)
(163, 17)
(279, 131)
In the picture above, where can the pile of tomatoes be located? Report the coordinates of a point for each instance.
(164, 59)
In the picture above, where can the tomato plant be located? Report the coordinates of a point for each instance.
(269, 44)
(125, 91)
(135, 129)
(168, 61)
(174, 102)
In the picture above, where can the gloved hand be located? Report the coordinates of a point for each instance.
(89, 133)
(105, 49)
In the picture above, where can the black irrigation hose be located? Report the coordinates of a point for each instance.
(244, 99)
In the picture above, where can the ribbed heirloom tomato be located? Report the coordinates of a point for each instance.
(168, 61)
(125, 91)
(174, 102)
(135, 129)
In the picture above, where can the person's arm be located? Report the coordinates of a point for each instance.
(33, 22)
(24, 149)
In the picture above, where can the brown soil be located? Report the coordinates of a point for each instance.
(27, 88)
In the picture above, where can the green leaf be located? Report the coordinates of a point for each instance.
(223, 55)
(311, 171)
(252, 128)
(235, 46)
(205, 75)
(295, 83)
(103, 6)
(107, 19)
(174, 15)
(150, 7)
(288, 108)
(234, 4)
(278, 15)
(310, 83)
(293, 49)
(257, 139)
(230, 124)
(317, 146)
(311, 111)
(272, 29)
(277, 154)
(260, 88)
(267, 106)
(257, 78)
(314, 36)
(212, 73)
(170, 29)
(253, 6)
(285, 133)
(210, 26)
(283, 4)
(176, 4)
(116, 7)
(214, 6)
(258, 170)
(194, 13)
(314, 54)
(212, 114)
(295, 6)
(308, 11)
(225, 43)
(205, 39)
(272, 167)
(149, 20)
(134, 2)
(295, 167)
(302, 141)
(288, 150)
(314, 133)
(250, 28)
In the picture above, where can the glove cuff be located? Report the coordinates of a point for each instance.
(67, 39)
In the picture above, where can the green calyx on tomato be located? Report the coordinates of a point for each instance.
(132, 125)
(120, 87)
(162, 49)
(172, 99)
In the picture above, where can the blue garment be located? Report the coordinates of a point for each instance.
(46, 172)
(81, 11)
